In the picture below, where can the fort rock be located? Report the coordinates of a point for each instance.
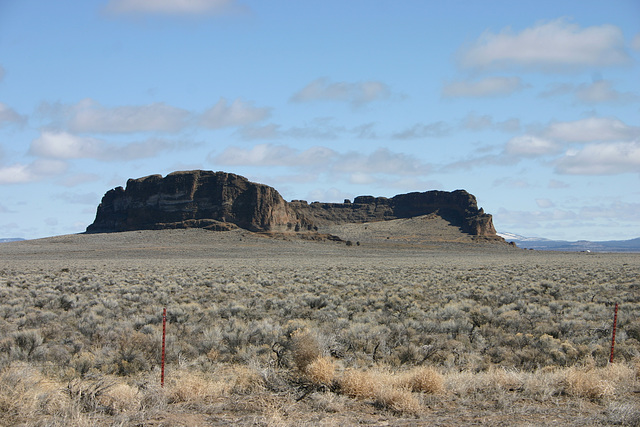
(223, 201)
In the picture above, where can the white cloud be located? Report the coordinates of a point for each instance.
(420, 130)
(89, 116)
(8, 115)
(544, 203)
(621, 211)
(556, 89)
(361, 178)
(477, 122)
(19, 173)
(602, 91)
(354, 93)
(601, 159)
(474, 121)
(592, 146)
(322, 128)
(548, 46)
(490, 86)
(275, 155)
(269, 131)
(591, 129)
(554, 183)
(531, 146)
(170, 7)
(259, 155)
(239, 113)
(381, 161)
(16, 173)
(65, 146)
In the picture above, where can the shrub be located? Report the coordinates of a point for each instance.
(589, 383)
(192, 387)
(398, 400)
(321, 371)
(359, 384)
(422, 379)
(304, 348)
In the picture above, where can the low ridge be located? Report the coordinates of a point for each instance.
(223, 201)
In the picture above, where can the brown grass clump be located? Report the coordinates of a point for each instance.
(398, 400)
(422, 379)
(304, 348)
(192, 387)
(245, 380)
(121, 397)
(359, 384)
(25, 394)
(384, 388)
(321, 371)
(590, 383)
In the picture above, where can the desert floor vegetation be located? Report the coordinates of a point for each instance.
(277, 332)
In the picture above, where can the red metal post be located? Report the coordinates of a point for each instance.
(613, 335)
(164, 334)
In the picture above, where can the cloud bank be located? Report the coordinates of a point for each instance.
(490, 86)
(323, 159)
(356, 94)
(66, 146)
(548, 46)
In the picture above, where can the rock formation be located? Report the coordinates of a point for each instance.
(193, 199)
(221, 201)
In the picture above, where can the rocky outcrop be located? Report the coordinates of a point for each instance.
(220, 201)
(458, 207)
(193, 199)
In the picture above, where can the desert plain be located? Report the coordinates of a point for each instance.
(385, 327)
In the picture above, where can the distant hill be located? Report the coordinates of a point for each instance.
(10, 239)
(632, 245)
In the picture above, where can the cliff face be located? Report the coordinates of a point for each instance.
(193, 199)
(219, 200)
(458, 207)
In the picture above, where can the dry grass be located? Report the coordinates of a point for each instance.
(422, 379)
(361, 384)
(305, 348)
(398, 400)
(596, 383)
(321, 371)
(279, 333)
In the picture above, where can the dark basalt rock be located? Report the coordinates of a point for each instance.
(193, 199)
(222, 201)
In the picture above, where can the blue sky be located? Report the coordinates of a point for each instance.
(532, 106)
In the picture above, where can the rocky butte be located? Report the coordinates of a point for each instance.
(223, 201)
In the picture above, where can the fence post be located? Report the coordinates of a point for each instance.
(613, 335)
(164, 333)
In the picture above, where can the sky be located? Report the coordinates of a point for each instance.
(531, 106)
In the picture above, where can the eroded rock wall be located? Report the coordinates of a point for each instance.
(220, 200)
